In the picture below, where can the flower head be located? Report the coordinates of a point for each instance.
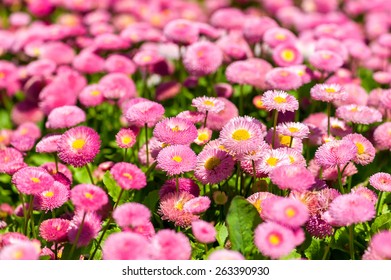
(125, 246)
(335, 153)
(382, 137)
(131, 215)
(52, 197)
(21, 250)
(65, 117)
(54, 230)
(32, 180)
(293, 129)
(176, 159)
(208, 104)
(379, 247)
(203, 231)
(125, 138)
(358, 114)
(175, 131)
(283, 79)
(280, 101)
(181, 31)
(328, 92)
(197, 205)
(287, 55)
(184, 185)
(170, 245)
(88, 197)
(294, 177)
(365, 150)
(381, 181)
(79, 146)
(128, 176)
(144, 112)
(225, 254)
(326, 60)
(48, 144)
(89, 231)
(202, 58)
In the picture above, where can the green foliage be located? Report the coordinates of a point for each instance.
(221, 233)
(113, 189)
(382, 222)
(242, 219)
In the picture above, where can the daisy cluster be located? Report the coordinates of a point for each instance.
(195, 129)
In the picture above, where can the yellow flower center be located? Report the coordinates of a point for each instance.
(127, 175)
(2, 138)
(326, 56)
(272, 161)
(279, 99)
(18, 254)
(280, 36)
(89, 195)
(257, 205)
(290, 212)
(241, 135)
(360, 148)
(259, 103)
(36, 51)
(330, 90)
(126, 140)
(2, 75)
(353, 109)
(78, 144)
(175, 128)
(203, 136)
(23, 131)
(179, 205)
(274, 239)
(291, 159)
(211, 163)
(147, 58)
(288, 55)
(95, 92)
(284, 140)
(177, 158)
(209, 103)
(200, 53)
(293, 129)
(48, 194)
(35, 180)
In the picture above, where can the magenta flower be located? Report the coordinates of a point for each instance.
(176, 159)
(203, 231)
(197, 205)
(22, 250)
(52, 197)
(358, 114)
(382, 137)
(32, 180)
(89, 231)
(79, 146)
(170, 245)
(117, 86)
(128, 176)
(54, 230)
(379, 247)
(88, 197)
(48, 144)
(287, 55)
(257, 198)
(293, 129)
(328, 92)
(175, 131)
(144, 113)
(125, 246)
(365, 150)
(11, 160)
(381, 181)
(225, 254)
(326, 60)
(185, 185)
(335, 153)
(293, 177)
(131, 215)
(125, 138)
(208, 104)
(92, 95)
(276, 36)
(65, 117)
(283, 79)
(202, 58)
(181, 31)
(280, 101)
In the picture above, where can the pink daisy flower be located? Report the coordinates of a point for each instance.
(241, 135)
(203, 231)
(176, 159)
(88, 197)
(286, 211)
(326, 60)
(167, 90)
(147, 230)
(79, 146)
(117, 86)
(202, 58)
(171, 209)
(208, 104)
(283, 79)
(381, 135)
(28, 129)
(213, 166)
(22, 250)
(280, 101)
(48, 144)
(287, 55)
(145, 112)
(276, 36)
(217, 121)
(88, 62)
(175, 131)
(328, 92)
(274, 240)
(293, 177)
(54, 230)
(379, 247)
(116, 63)
(131, 215)
(10, 158)
(365, 150)
(193, 116)
(335, 153)
(227, 18)
(225, 254)
(32, 180)
(22, 143)
(181, 31)
(294, 129)
(254, 27)
(358, 114)
(53, 197)
(381, 181)
(257, 198)
(223, 90)
(89, 231)
(271, 159)
(59, 175)
(204, 135)
(185, 185)
(348, 209)
(366, 193)
(125, 138)
(92, 95)
(148, 57)
(125, 246)
(65, 117)
(197, 205)
(170, 245)
(128, 176)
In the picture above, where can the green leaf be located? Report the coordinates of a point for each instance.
(242, 219)
(5, 120)
(222, 233)
(80, 175)
(113, 189)
(381, 222)
(294, 255)
(341, 240)
(315, 251)
(151, 200)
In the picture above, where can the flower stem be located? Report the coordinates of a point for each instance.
(107, 225)
(77, 235)
(340, 180)
(56, 161)
(125, 152)
(351, 241)
(177, 183)
(275, 117)
(378, 208)
(241, 97)
(328, 118)
(254, 174)
(90, 174)
(206, 117)
(146, 143)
